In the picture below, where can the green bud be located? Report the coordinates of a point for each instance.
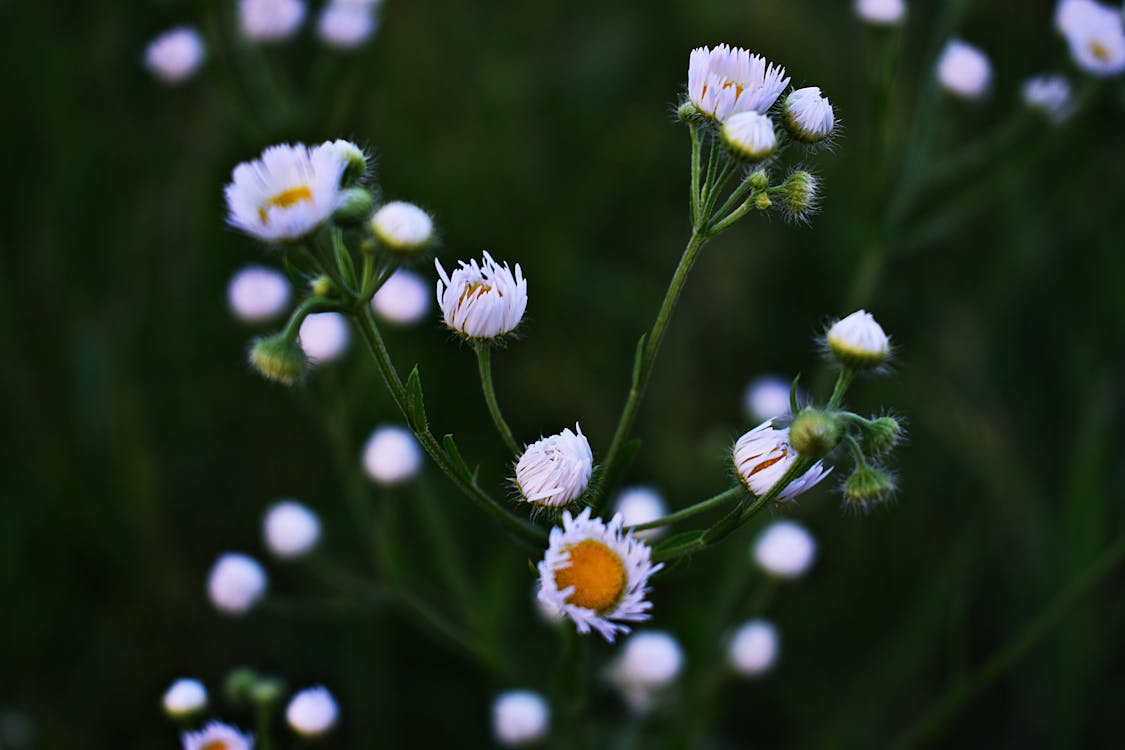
(279, 358)
(799, 194)
(689, 113)
(867, 486)
(355, 206)
(356, 162)
(323, 286)
(758, 181)
(267, 691)
(762, 202)
(881, 435)
(814, 433)
(238, 685)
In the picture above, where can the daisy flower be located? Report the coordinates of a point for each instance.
(763, 455)
(555, 470)
(724, 81)
(217, 736)
(175, 55)
(482, 301)
(963, 70)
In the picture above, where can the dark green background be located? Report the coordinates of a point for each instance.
(140, 446)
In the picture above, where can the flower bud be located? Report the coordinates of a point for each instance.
(758, 180)
(402, 227)
(356, 161)
(688, 112)
(354, 207)
(555, 470)
(520, 717)
(754, 648)
(323, 286)
(815, 433)
(881, 435)
(312, 712)
(185, 698)
(762, 202)
(239, 684)
(749, 136)
(279, 358)
(267, 691)
(808, 115)
(858, 341)
(868, 486)
(798, 194)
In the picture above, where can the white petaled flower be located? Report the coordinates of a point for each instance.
(402, 227)
(256, 294)
(750, 136)
(639, 505)
(785, 549)
(175, 55)
(270, 20)
(520, 717)
(482, 301)
(236, 583)
(767, 397)
(648, 662)
(345, 25)
(217, 736)
(555, 470)
(287, 193)
(312, 712)
(184, 698)
(725, 81)
(881, 12)
(324, 336)
(1069, 14)
(963, 70)
(808, 115)
(763, 455)
(858, 341)
(391, 455)
(404, 298)
(1050, 95)
(1096, 36)
(290, 529)
(597, 574)
(754, 648)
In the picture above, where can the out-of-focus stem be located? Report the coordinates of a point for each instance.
(484, 363)
(692, 510)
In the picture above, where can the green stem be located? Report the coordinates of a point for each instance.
(692, 510)
(484, 362)
(304, 310)
(930, 726)
(713, 188)
(724, 224)
(695, 203)
(843, 380)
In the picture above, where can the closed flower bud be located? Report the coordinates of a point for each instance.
(239, 684)
(758, 180)
(688, 112)
(236, 583)
(762, 202)
(279, 358)
(555, 470)
(312, 712)
(858, 341)
(785, 549)
(799, 195)
(403, 227)
(520, 717)
(355, 158)
(868, 486)
(291, 529)
(881, 12)
(185, 698)
(482, 301)
(323, 286)
(964, 70)
(808, 115)
(749, 136)
(815, 433)
(881, 435)
(354, 207)
(754, 648)
(267, 691)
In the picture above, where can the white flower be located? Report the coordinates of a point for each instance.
(175, 55)
(236, 583)
(184, 698)
(1069, 14)
(724, 81)
(1096, 35)
(288, 192)
(639, 505)
(257, 293)
(391, 455)
(345, 25)
(750, 136)
(217, 736)
(767, 397)
(324, 336)
(270, 20)
(290, 529)
(763, 455)
(482, 301)
(520, 717)
(785, 549)
(555, 470)
(858, 340)
(1051, 95)
(597, 574)
(648, 663)
(808, 115)
(404, 298)
(754, 647)
(963, 70)
(312, 711)
(881, 12)
(402, 227)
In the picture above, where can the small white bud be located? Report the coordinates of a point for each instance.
(324, 337)
(345, 25)
(391, 455)
(767, 397)
(639, 505)
(808, 115)
(858, 341)
(257, 294)
(236, 583)
(402, 227)
(184, 698)
(963, 70)
(175, 55)
(312, 712)
(290, 529)
(555, 470)
(520, 717)
(650, 660)
(881, 12)
(404, 298)
(785, 549)
(270, 20)
(750, 136)
(482, 301)
(754, 648)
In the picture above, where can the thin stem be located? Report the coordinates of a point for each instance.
(694, 174)
(734, 198)
(484, 362)
(725, 224)
(692, 510)
(930, 726)
(304, 310)
(713, 187)
(843, 380)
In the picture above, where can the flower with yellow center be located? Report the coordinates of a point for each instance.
(482, 301)
(1096, 35)
(724, 81)
(217, 736)
(596, 574)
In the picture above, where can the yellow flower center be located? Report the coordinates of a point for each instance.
(597, 575)
(215, 745)
(476, 289)
(1099, 51)
(285, 199)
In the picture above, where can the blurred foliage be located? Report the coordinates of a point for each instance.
(141, 446)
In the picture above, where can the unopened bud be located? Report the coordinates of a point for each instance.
(815, 433)
(749, 136)
(323, 286)
(881, 435)
(689, 113)
(758, 181)
(355, 206)
(799, 194)
(762, 202)
(238, 685)
(267, 691)
(356, 161)
(867, 486)
(279, 358)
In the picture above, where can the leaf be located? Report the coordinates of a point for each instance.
(457, 459)
(344, 263)
(638, 359)
(415, 405)
(794, 407)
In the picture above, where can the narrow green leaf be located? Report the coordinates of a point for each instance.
(458, 461)
(794, 407)
(414, 402)
(638, 359)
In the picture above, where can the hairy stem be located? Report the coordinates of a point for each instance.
(484, 363)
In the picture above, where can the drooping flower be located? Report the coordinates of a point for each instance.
(312, 712)
(763, 455)
(256, 293)
(291, 529)
(520, 717)
(597, 574)
(217, 736)
(391, 455)
(324, 337)
(482, 301)
(270, 20)
(236, 583)
(808, 115)
(402, 227)
(750, 136)
(1050, 95)
(881, 12)
(785, 549)
(184, 698)
(554, 471)
(754, 648)
(724, 81)
(175, 55)
(404, 298)
(858, 341)
(963, 70)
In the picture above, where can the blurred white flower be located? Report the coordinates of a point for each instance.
(648, 662)
(236, 583)
(482, 301)
(324, 336)
(725, 81)
(345, 25)
(750, 136)
(184, 698)
(639, 505)
(858, 340)
(808, 115)
(767, 397)
(404, 298)
(217, 736)
(1096, 36)
(881, 12)
(1069, 14)
(175, 55)
(312, 712)
(785, 549)
(270, 20)
(754, 648)
(1050, 95)
(402, 227)
(291, 529)
(555, 470)
(391, 455)
(256, 294)
(763, 455)
(963, 70)
(520, 717)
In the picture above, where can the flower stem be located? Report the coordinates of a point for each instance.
(694, 174)
(843, 380)
(702, 506)
(484, 362)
